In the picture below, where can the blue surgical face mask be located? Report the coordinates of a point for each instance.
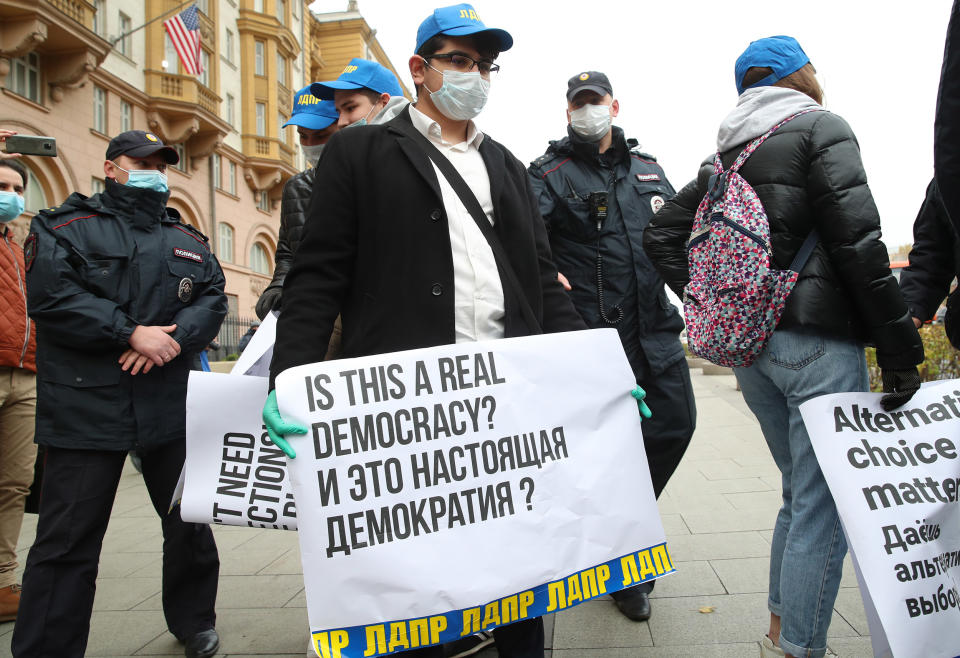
(462, 95)
(146, 179)
(312, 153)
(11, 206)
(363, 121)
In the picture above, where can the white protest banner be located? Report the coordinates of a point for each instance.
(255, 358)
(895, 478)
(454, 489)
(233, 473)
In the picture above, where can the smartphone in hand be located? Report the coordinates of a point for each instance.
(31, 145)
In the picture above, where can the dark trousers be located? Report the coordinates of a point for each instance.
(667, 434)
(59, 582)
(523, 639)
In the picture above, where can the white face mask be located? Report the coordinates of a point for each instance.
(591, 122)
(462, 95)
(312, 153)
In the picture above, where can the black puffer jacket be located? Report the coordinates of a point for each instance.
(809, 175)
(293, 215)
(934, 259)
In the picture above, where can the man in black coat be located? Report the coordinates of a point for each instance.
(946, 126)
(597, 191)
(123, 296)
(391, 247)
(934, 263)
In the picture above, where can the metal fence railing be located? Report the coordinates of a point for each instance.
(231, 331)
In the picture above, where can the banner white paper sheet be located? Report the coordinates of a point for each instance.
(255, 359)
(233, 473)
(895, 478)
(448, 490)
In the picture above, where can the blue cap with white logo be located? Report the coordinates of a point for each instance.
(458, 21)
(782, 54)
(311, 112)
(360, 74)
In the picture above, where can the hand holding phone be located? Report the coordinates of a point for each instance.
(4, 133)
(28, 144)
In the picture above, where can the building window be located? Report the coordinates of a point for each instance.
(281, 69)
(232, 178)
(205, 66)
(259, 262)
(96, 185)
(126, 44)
(228, 45)
(231, 110)
(258, 5)
(264, 201)
(99, 18)
(170, 58)
(282, 11)
(225, 243)
(182, 152)
(258, 49)
(204, 6)
(281, 131)
(100, 110)
(126, 116)
(217, 181)
(262, 119)
(295, 9)
(34, 199)
(24, 77)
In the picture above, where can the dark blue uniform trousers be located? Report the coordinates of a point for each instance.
(78, 490)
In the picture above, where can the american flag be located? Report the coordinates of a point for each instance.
(184, 31)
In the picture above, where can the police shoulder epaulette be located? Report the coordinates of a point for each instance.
(543, 159)
(193, 230)
(642, 154)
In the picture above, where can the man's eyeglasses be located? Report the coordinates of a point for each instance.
(465, 63)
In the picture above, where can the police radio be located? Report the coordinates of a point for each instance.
(598, 213)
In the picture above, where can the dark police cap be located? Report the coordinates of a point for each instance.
(140, 144)
(591, 81)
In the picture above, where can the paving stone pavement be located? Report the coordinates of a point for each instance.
(718, 512)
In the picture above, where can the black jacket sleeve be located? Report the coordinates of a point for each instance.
(320, 275)
(198, 323)
(925, 282)
(848, 222)
(665, 238)
(61, 303)
(946, 126)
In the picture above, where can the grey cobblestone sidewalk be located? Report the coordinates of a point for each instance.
(718, 512)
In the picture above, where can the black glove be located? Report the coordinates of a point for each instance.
(899, 386)
(269, 300)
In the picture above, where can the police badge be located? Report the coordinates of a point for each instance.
(185, 290)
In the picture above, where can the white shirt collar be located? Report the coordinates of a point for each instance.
(431, 130)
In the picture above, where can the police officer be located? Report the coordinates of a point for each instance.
(123, 295)
(596, 192)
(316, 121)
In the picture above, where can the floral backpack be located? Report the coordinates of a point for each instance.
(735, 298)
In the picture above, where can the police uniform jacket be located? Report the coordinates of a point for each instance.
(96, 269)
(376, 247)
(564, 179)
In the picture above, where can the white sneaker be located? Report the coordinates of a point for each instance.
(769, 650)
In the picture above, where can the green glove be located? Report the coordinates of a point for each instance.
(639, 394)
(277, 427)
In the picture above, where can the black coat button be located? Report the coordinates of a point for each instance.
(436, 215)
(437, 290)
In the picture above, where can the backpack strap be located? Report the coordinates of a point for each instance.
(806, 249)
(755, 144)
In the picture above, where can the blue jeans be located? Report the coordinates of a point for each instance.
(806, 558)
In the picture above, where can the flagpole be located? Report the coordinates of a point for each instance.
(113, 44)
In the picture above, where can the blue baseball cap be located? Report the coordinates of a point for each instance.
(458, 21)
(311, 112)
(360, 74)
(782, 54)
